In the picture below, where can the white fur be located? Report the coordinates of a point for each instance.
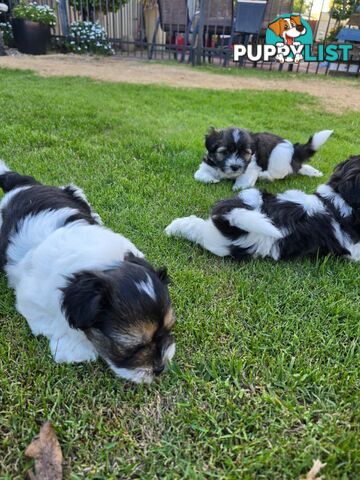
(34, 229)
(42, 266)
(259, 245)
(207, 174)
(355, 252)
(252, 197)
(280, 161)
(309, 171)
(236, 135)
(135, 375)
(319, 138)
(169, 353)
(200, 231)
(310, 203)
(147, 287)
(339, 203)
(249, 177)
(253, 222)
(3, 167)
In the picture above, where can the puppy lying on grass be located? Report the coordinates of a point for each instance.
(87, 289)
(286, 225)
(243, 156)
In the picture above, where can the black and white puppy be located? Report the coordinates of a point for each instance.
(87, 289)
(244, 156)
(283, 226)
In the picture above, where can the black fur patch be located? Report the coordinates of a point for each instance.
(35, 199)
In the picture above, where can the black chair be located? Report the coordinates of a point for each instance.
(216, 19)
(249, 19)
(173, 19)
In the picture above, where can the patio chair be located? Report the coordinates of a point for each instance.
(173, 19)
(216, 19)
(249, 18)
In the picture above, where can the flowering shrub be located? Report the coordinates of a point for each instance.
(6, 28)
(87, 37)
(36, 13)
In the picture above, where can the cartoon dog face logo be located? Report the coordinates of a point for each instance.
(289, 29)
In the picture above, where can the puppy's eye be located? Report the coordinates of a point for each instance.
(221, 150)
(286, 27)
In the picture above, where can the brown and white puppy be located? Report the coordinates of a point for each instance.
(244, 156)
(86, 288)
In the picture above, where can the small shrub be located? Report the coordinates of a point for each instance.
(88, 37)
(36, 13)
(6, 28)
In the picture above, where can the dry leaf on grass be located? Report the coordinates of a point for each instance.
(45, 450)
(315, 469)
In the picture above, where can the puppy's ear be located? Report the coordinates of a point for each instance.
(84, 299)
(212, 139)
(130, 257)
(275, 27)
(162, 273)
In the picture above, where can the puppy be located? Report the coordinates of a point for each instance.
(283, 226)
(87, 289)
(239, 154)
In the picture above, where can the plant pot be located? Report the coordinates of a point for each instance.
(30, 37)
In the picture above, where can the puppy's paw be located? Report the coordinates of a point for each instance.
(179, 226)
(204, 177)
(242, 185)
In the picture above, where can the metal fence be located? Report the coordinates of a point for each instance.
(203, 31)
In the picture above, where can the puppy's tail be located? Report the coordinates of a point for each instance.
(303, 152)
(10, 180)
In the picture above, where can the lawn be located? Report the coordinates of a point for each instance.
(266, 373)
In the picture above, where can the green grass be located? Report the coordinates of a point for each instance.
(267, 368)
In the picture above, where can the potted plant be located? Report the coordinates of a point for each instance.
(31, 27)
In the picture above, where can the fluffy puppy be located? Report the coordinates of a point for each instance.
(87, 289)
(238, 154)
(283, 226)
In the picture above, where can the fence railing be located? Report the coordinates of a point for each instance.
(203, 31)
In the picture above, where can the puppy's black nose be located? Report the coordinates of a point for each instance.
(300, 28)
(159, 369)
(235, 168)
